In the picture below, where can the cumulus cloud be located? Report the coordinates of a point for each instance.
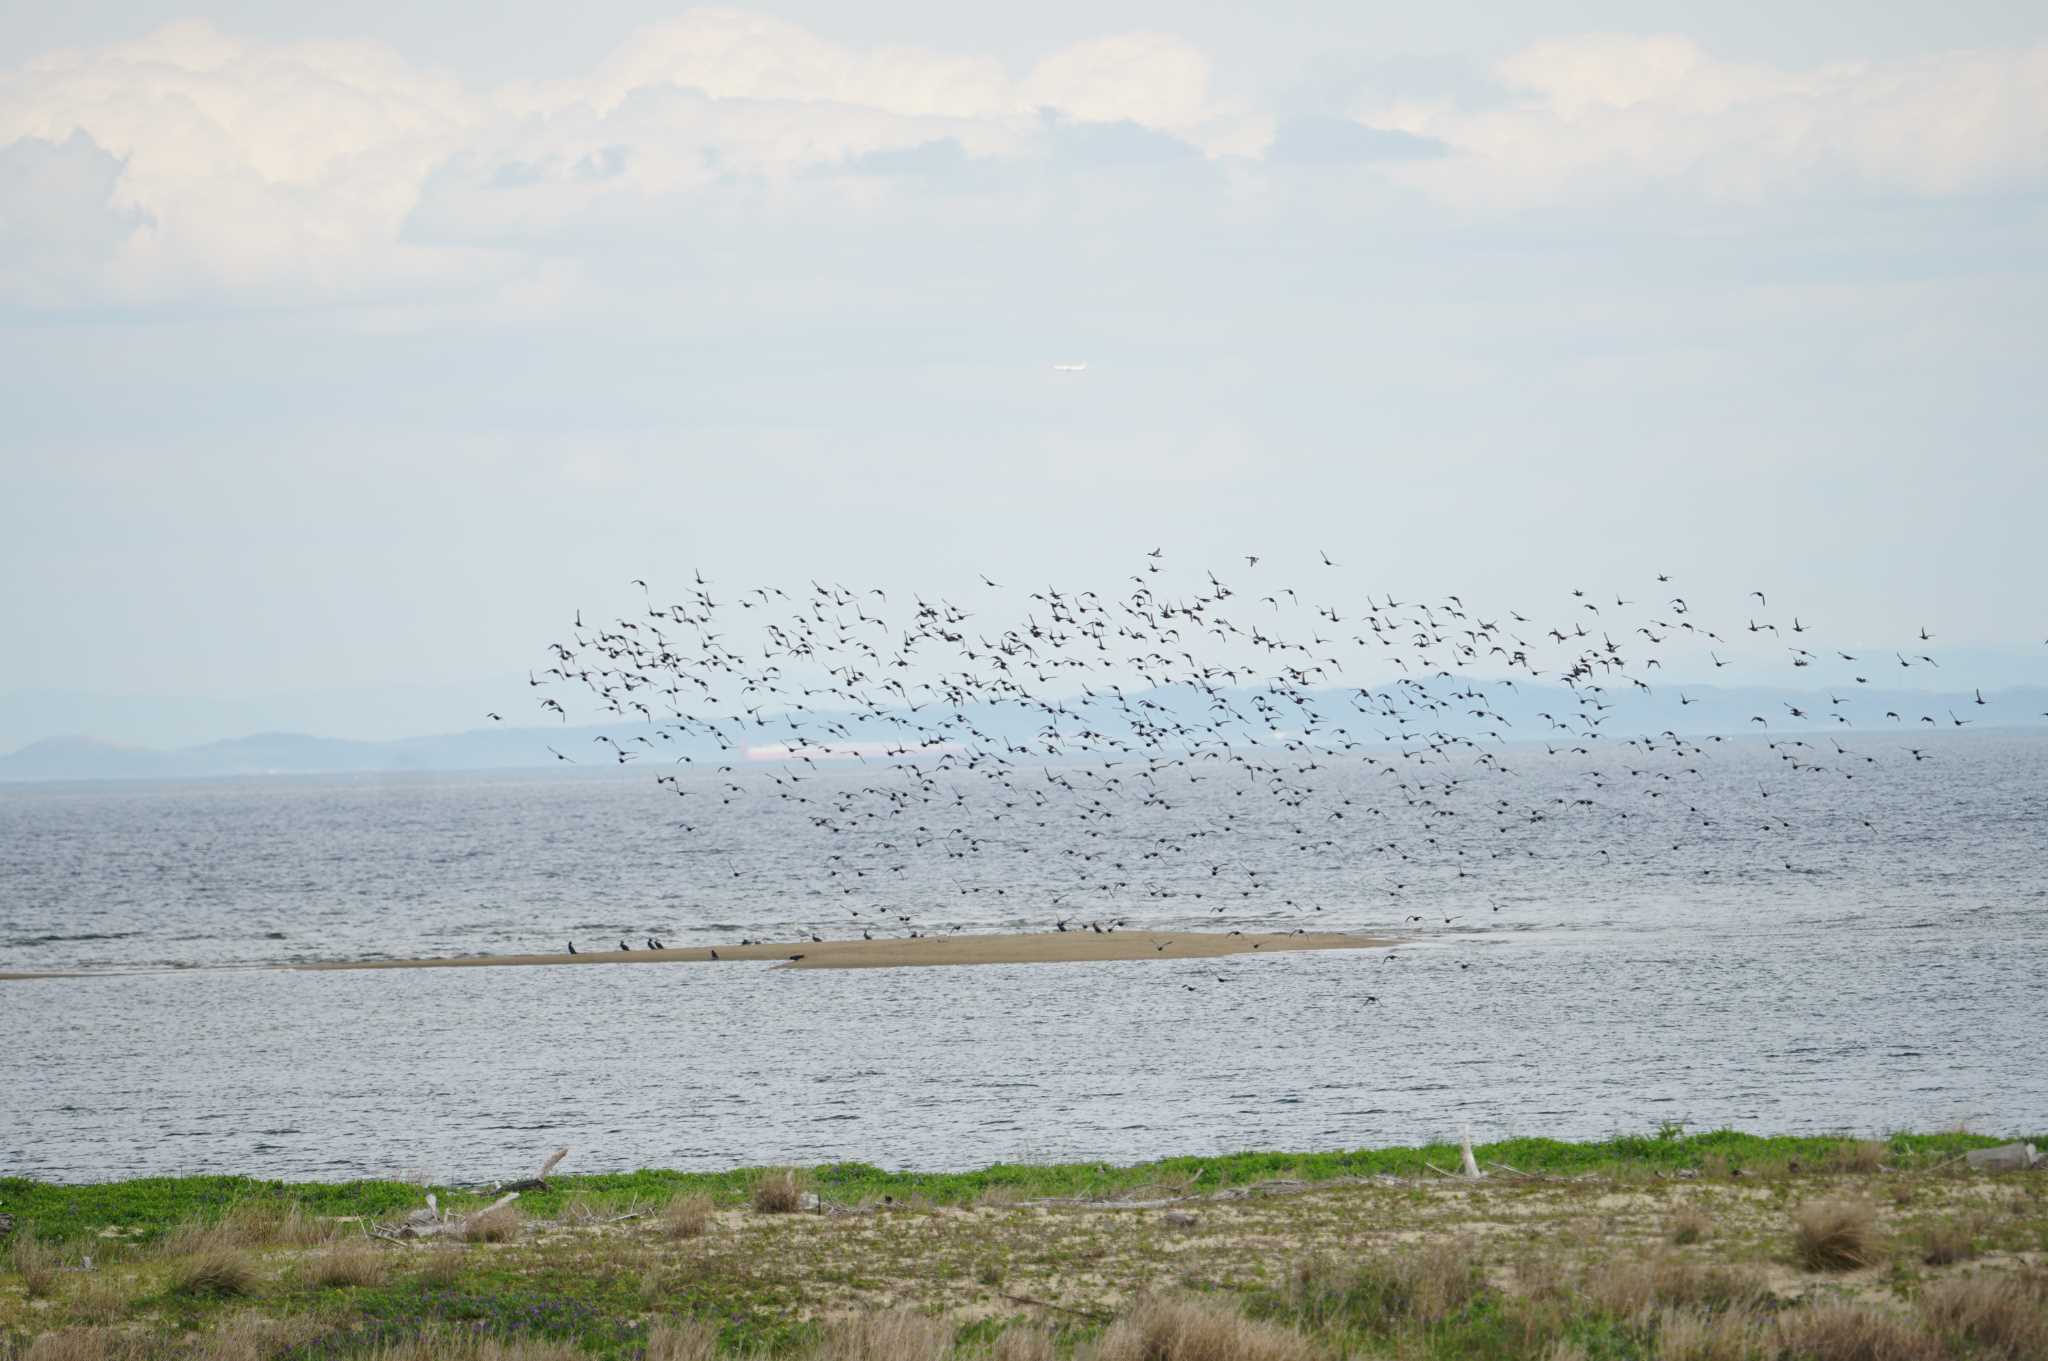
(194, 163)
(335, 170)
(57, 215)
(1614, 114)
(1344, 141)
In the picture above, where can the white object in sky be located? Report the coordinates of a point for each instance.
(1069, 368)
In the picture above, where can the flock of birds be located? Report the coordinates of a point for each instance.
(1081, 727)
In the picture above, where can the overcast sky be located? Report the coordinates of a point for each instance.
(350, 351)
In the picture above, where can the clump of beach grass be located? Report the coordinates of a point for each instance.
(682, 1340)
(1631, 1287)
(1423, 1284)
(1693, 1335)
(250, 1336)
(2004, 1316)
(1861, 1156)
(442, 1266)
(35, 1262)
(1836, 1330)
(80, 1344)
(896, 1335)
(1688, 1224)
(686, 1216)
(454, 1346)
(500, 1224)
(1024, 1343)
(779, 1192)
(1191, 1328)
(1950, 1241)
(214, 1271)
(102, 1297)
(1835, 1235)
(349, 1263)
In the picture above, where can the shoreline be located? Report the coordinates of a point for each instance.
(1725, 1153)
(1045, 947)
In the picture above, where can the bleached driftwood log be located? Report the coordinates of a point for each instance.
(429, 1221)
(2004, 1158)
(539, 1180)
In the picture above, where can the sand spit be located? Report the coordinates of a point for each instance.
(1048, 947)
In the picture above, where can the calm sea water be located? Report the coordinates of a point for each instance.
(1868, 955)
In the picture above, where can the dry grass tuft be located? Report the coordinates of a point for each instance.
(36, 1262)
(895, 1336)
(1428, 1283)
(289, 1227)
(779, 1193)
(1189, 1328)
(459, 1347)
(234, 1231)
(2005, 1316)
(686, 1216)
(442, 1266)
(214, 1272)
(1839, 1331)
(82, 1344)
(1949, 1242)
(1689, 1335)
(349, 1263)
(500, 1225)
(103, 1297)
(1024, 1343)
(1688, 1224)
(252, 1337)
(1631, 1287)
(682, 1340)
(1863, 1156)
(1835, 1235)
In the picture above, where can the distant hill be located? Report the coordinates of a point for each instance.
(1517, 714)
(85, 758)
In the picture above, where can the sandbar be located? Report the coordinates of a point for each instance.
(1042, 947)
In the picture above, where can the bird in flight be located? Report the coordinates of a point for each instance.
(1155, 746)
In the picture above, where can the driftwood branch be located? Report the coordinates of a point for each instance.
(1048, 1304)
(539, 1180)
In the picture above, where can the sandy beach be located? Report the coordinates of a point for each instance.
(1048, 947)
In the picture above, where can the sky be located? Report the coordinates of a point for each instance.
(344, 355)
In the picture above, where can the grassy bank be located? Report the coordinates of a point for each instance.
(1672, 1248)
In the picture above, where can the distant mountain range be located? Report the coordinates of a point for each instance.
(1516, 713)
(279, 753)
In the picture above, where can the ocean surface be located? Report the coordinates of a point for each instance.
(1861, 945)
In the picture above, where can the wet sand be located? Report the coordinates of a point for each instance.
(1049, 947)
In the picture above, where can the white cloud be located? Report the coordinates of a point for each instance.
(1609, 114)
(293, 171)
(196, 164)
(729, 55)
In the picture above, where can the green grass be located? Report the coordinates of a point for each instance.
(148, 1206)
(1419, 1268)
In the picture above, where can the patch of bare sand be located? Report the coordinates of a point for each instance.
(1045, 947)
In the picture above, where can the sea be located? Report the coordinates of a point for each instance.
(1584, 948)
